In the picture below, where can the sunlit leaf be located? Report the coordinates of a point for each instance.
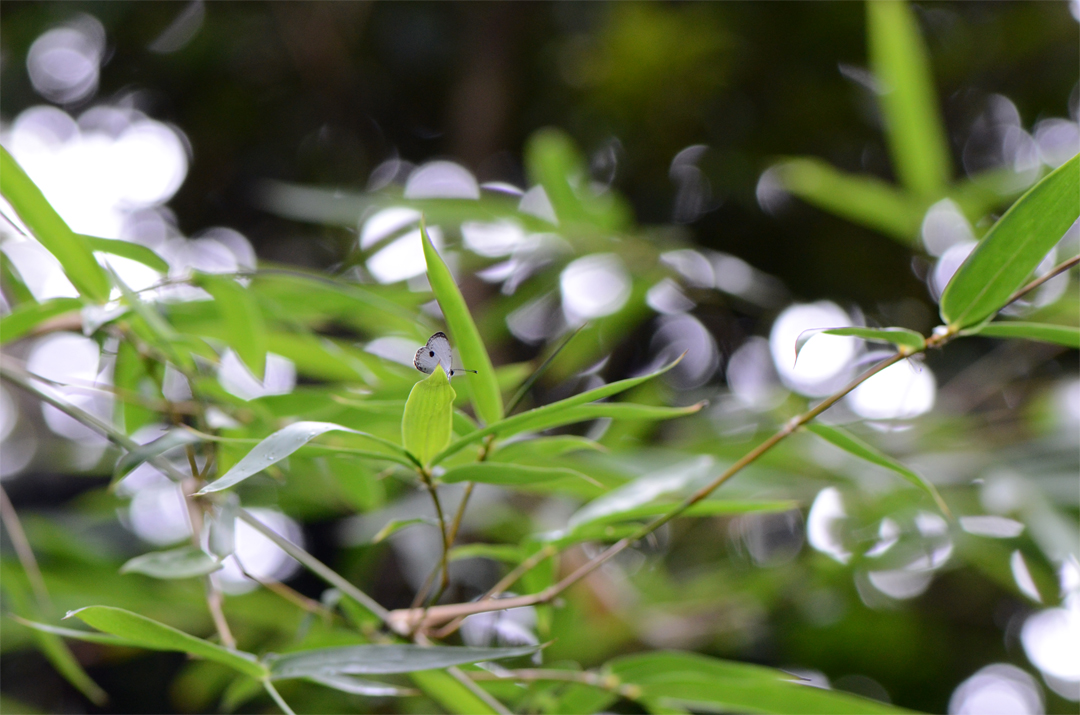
(913, 123)
(908, 341)
(381, 659)
(27, 316)
(71, 249)
(1016, 244)
(486, 396)
(865, 200)
(853, 445)
(126, 249)
(1068, 335)
(506, 474)
(150, 634)
(184, 562)
(428, 420)
(246, 330)
(542, 448)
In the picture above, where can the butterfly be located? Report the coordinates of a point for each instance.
(436, 352)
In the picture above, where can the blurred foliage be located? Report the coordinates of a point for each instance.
(669, 141)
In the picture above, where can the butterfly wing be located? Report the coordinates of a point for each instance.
(435, 352)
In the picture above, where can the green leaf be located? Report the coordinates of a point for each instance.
(454, 697)
(506, 474)
(542, 448)
(705, 684)
(395, 525)
(382, 659)
(487, 400)
(222, 537)
(913, 124)
(1068, 335)
(72, 250)
(1016, 244)
(28, 316)
(185, 562)
(88, 636)
(175, 437)
(150, 634)
(277, 447)
(908, 341)
(542, 415)
(49, 641)
(358, 686)
(243, 319)
(497, 552)
(428, 420)
(126, 249)
(853, 445)
(865, 200)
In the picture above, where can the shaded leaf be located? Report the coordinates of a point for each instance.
(246, 330)
(150, 634)
(1068, 335)
(222, 537)
(27, 316)
(853, 445)
(358, 686)
(71, 249)
(507, 474)
(184, 562)
(383, 659)
(486, 396)
(913, 123)
(427, 422)
(1012, 249)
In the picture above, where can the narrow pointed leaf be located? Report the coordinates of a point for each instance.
(862, 199)
(126, 249)
(1012, 249)
(427, 422)
(527, 421)
(184, 562)
(1067, 335)
(913, 122)
(454, 697)
(543, 447)
(246, 329)
(396, 525)
(277, 447)
(172, 439)
(71, 249)
(150, 634)
(358, 686)
(27, 316)
(487, 399)
(507, 474)
(908, 341)
(853, 445)
(383, 659)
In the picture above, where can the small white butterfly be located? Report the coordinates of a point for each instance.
(436, 352)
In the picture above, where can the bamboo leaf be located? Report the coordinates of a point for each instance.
(383, 659)
(454, 697)
(427, 422)
(71, 249)
(913, 124)
(126, 249)
(246, 329)
(175, 437)
(1007, 255)
(908, 341)
(506, 474)
(358, 686)
(543, 447)
(150, 634)
(853, 445)
(487, 400)
(184, 562)
(396, 525)
(27, 316)
(1067, 335)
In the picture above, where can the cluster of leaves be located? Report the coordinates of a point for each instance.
(362, 422)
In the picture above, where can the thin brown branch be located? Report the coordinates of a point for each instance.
(1053, 272)
(22, 549)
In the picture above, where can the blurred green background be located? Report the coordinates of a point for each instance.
(324, 93)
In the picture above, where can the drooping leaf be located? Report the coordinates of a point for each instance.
(853, 445)
(865, 200)
(71, 249)
(150, 634)
(243, 320)
(486, 396)
(506, 474)
(126, 249)
(527, 421)
(184, 562)
(1067, 335)
(277, 447)
(382, 659)
(27, 316)
(908, 341)
(428, 420)
(1012, 249)
(913, 123)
